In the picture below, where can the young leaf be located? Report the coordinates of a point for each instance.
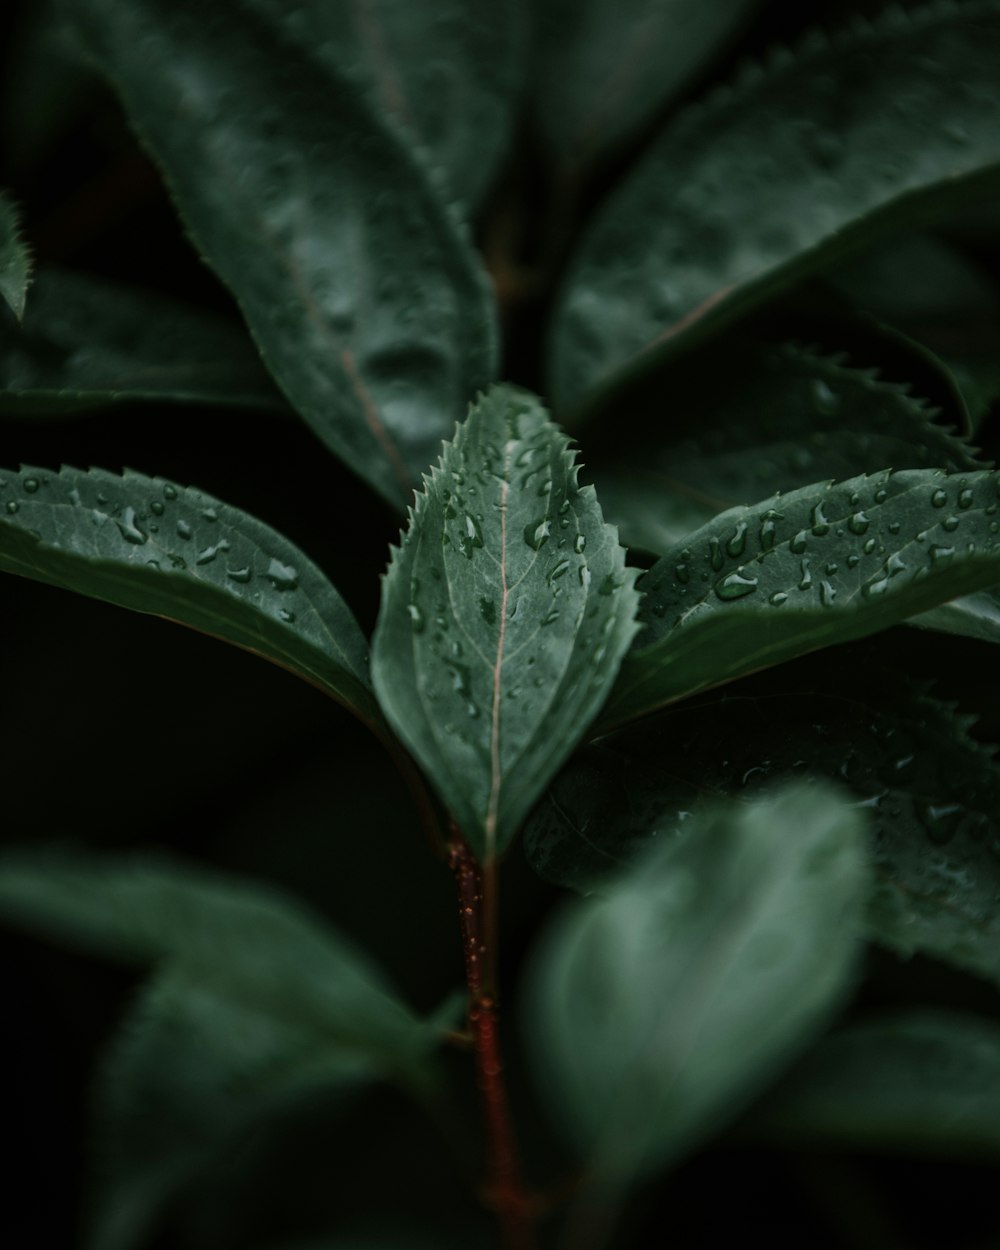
(149, 545)
(193, 1071)
(15, 263)
(932, 793)
(774, 422)
(505, 614)
(658, 1010)
(447, 74)
(916, 1082)
(364, 296)
(821, 565)
(606, 69)
(245, 942)
(777, 175)
(86, 342)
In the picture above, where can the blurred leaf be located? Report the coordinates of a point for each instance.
(15, 263)
(147, 544)
(362, 292)
(932, 794)
(505, 614)
(928, 289)
(821, 565)
(194, 1070)
(87, 342)
(606, 68)
(777, 175)
(447, 75)
(659, 1009)
(915, 1082)
(972, 616)
(772, 422)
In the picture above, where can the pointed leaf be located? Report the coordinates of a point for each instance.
(971, 616)
(193, 1071)
(607, 68)
(658, 1010)
(918, 1082)
(821, 565)
(87, 342)
(932, 793)
(15, 263)
(147, 544)
(363, 294)
(777, 175)
(505, 614)
(447, 75)
(774, 422)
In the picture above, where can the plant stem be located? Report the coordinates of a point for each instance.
(504, 1191)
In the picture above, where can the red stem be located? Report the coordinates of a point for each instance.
(505, 1191)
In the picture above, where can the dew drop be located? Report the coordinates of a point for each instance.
(939, 498)
(184, 530)
(169, 492)
(965, 498)
(579, 544)
(416, 618)
(858, 523)
(738, 541)
(551, 617)
(11, 506)
(285, 615)
(869, 547)
(778, 598)
(282, 576)
(799, 543)
(210, 514)
(559, 571)
(827, 594)
(950, 524)
(806, 579)
(939, 553)
(768, 529)
(820, 525)
(242, 575)
(715, 556)
(881, 495)
(30, 485)
(208, 554)
(157, 508)
(537, 533)
(471, 538)
(825, 400)
(853, 561)
(735, 586)
(129, 529)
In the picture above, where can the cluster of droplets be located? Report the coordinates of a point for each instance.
(149, 531)
(816, 572)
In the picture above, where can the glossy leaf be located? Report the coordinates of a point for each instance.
(932, 793)
(505, 614)
(777, 175)
(606, 68)
(193, 1071)
(659, 1009)
(916, 1082)
(244, 942)
(821, 565)
(773, 422)
(87, 342)
(176, 552)
(361, 291)
(15, 263)
(447, 75)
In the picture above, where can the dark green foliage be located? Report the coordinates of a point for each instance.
(739, 689)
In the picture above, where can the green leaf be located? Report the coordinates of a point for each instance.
(821, 565)
(606, 69)
(246, 942)
(505, 614)
(931, 792)
(915, 1082)
(774, 421)
(447, 75)
(362, 292)
(15, 263)
(971, 616)
(658, 1010)
(777, 175)
(194, 1070)
(176, 552)
(87, 342)
(929, 290)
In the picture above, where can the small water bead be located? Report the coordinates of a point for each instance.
(735, 586)
(939, 553)
(965, 498)
(184, 530)
(805, 580)
(827, 594)
(820, 525)
(737, 543)
(210, 514)
(242, 575)
(560, 570)
(939, 498)
(853, 561)
(157, 508)
(416, 618)
(778, 598)
(881, 495)
(169, 492)
(208, 554)
(285, 615)
(799, 543)
(579, 543)
(894, 527)
(129, 529)
(11, 506)
(536, 533)
(715, 556)
(282, 577)
(551, 617)
(858, 523)
(30, 485)
(768, 529)
(471, 538)
(950, 524)
(682, 573)
(831, 568)
(825, 400)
